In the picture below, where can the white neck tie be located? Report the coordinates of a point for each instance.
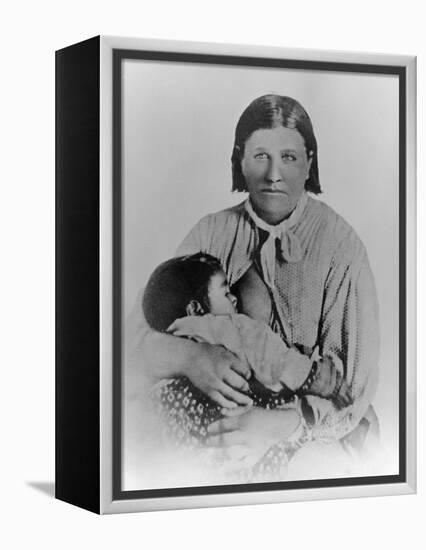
(290, 245)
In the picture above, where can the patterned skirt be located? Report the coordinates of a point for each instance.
(186, 414)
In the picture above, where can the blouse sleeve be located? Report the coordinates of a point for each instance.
(349, 337)
(197, 240)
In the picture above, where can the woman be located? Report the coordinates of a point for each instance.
(292, 262)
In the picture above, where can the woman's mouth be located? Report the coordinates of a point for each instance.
(272, 192)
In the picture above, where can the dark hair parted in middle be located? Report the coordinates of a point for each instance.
(174, 284)
(267, 112)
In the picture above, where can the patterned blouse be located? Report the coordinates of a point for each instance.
(324, 297)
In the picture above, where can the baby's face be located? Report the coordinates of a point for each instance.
(222, 302)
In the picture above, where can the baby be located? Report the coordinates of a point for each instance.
(190, 297)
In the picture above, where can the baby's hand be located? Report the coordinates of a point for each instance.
(329, 383)
(344, 397)
(326, 379)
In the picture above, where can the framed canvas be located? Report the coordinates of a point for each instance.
(235, 274)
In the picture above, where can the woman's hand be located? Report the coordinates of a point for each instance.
(220, 374)
(246, 433)
(211, 368)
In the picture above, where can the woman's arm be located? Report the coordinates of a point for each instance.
(152, 356)
(349, 339)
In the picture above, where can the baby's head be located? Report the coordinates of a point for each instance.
(188, 285)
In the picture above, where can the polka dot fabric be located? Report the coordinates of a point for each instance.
(186, 413)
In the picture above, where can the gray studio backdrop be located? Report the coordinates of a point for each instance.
(178, 127)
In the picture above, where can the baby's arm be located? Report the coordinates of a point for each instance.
(276, 365)
(306, 375)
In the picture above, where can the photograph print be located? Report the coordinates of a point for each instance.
(257, 302)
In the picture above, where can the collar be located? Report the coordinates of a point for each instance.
(290, 246)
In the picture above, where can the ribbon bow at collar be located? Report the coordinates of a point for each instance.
(291, 249)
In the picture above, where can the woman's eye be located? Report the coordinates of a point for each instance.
(261, 156)
(289, 156)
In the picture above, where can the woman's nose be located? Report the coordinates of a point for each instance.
(233, 300)
(273, 173)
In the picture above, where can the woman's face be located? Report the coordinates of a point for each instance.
(275, 166)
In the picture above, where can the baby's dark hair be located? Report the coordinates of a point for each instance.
(174, 284)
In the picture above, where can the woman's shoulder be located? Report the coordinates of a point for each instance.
(227, 214)
(219, 234)
(223, 222)
(333, 227)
